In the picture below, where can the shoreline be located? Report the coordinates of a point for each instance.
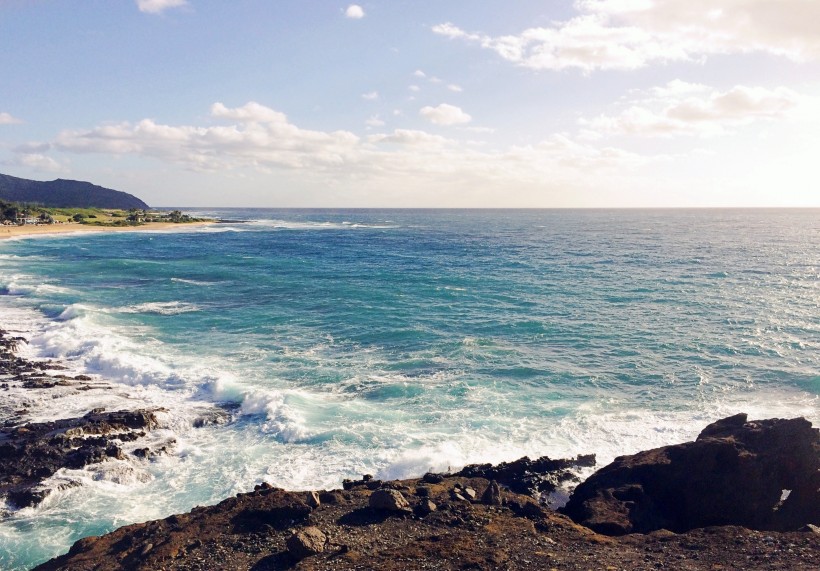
(481, 517)
(11, 232)
(474, 519)
(454, 527)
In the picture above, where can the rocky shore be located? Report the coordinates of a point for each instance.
(744, 495)
(465, 521)
(31, 452)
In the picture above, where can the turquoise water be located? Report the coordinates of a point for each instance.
(392, 342)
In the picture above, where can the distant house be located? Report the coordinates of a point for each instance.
(23, 219)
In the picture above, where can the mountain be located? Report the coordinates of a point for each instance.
(63, 193)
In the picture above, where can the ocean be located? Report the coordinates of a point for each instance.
(332, 343)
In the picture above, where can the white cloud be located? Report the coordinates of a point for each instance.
(419, 73)
(455, 88)
(445, 114)
(630, 34)
(159, 6)
(355, 12)
(8, 119)
(414, 88)
(693, 109)
(38, 162)
(371, 95)
(783, 27)
(374, 121)
(427, 167)
(585, 42)
(260, 137)
(250, 112)
(676, 87)
(410, 137)
(449, 30)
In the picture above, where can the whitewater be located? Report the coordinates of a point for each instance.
(302, 347)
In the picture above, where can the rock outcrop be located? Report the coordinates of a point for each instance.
(533, 477)
(760, 475)
(33, 452)
(273, 529)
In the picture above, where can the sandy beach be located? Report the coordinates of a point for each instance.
(32, 230)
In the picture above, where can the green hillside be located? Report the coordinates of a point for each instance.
(62, 193)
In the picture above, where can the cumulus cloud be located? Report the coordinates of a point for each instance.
(630, 34)
(250, 112)
(371, 95)
(8, 119)
(259, 137)
(455, 88)
(38, 162)
(445, 114)
(355, 12)
(255, 137)
(374, 121)
(411, 138)
(694, 109)
(159, 6)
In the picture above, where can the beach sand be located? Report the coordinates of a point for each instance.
(32, 230)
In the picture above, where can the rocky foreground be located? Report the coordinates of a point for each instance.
(32, 452)
(731, 475)
(744, 495)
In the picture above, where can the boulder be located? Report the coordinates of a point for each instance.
(385, 499)
(432, 478)
(532, 477)
(735, 473)
(306, 542)
(492, 495)
(426, 507)
(32, 453)
(313, 499)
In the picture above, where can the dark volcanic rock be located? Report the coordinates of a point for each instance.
(492, 495)
(525, 476)
(456, 536)
(733, 474)
(35, 451)
(32, 452)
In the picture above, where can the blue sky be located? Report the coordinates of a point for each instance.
(317, 103)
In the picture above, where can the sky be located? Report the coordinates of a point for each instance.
(417, 103)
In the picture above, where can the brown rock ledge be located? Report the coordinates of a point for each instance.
(31, 452)
(449, 522)
(737, 472)
(251, 532)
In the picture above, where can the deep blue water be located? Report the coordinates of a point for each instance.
(391, 342)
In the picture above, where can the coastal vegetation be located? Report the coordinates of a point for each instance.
(13, 213)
